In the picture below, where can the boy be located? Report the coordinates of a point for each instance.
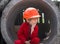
(28, 32)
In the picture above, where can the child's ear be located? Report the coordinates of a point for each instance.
(27, 20)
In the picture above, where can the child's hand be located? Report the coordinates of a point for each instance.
(32, 28)
(33, 25)
(27, 42)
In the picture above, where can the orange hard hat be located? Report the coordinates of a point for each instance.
(31, 13)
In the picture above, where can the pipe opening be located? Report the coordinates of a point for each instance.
(14, 19)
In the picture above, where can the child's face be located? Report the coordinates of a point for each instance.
(33, 21)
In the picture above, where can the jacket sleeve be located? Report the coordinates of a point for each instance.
(20, 34)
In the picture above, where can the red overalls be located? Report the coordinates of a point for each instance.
(23, 34)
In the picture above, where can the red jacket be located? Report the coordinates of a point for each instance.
(23, 32)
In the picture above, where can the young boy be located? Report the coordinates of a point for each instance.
(28, 32)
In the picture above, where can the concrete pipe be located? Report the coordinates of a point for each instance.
(16, 7)
(3, 3)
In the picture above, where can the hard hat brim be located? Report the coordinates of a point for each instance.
(37, 16)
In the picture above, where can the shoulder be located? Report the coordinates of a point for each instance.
(24, 24)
